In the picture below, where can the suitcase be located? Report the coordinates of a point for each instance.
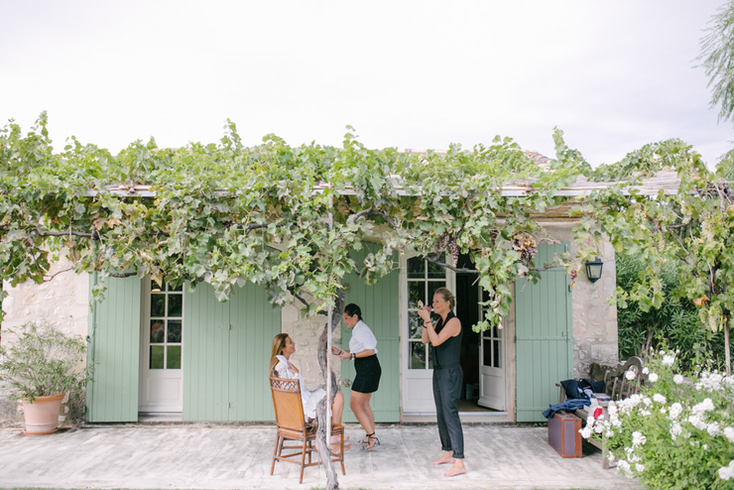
(564, 435)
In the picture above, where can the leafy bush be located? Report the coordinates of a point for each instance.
(677, 433)
(676, 323)
(41, 361)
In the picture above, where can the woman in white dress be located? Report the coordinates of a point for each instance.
(282, 367)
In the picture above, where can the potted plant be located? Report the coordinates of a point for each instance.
(39, 366)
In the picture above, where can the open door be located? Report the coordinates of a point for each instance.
(492, 378)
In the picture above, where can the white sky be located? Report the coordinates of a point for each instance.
(613, 75)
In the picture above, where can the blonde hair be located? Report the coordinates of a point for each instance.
(277, 349)
(447, 296)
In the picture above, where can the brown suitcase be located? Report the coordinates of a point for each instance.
(564, 435)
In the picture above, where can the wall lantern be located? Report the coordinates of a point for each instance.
(593, 269)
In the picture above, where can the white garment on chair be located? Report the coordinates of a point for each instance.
(310, 399)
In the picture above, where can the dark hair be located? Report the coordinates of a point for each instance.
(351, 309)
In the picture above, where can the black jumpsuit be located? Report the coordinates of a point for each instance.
(447, 380)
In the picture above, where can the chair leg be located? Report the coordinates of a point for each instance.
(276, 452)
(341, 455)
(303, 459)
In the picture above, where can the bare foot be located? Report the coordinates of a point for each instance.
(443, 460)
(457, 470)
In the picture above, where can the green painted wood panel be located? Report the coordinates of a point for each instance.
(226, 355)
(543, 338)
(254, 324)
(205, 356)
(380, 311)
(114, 350)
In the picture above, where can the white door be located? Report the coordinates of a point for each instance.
(161, 373)
(419, 279)
(492, 389)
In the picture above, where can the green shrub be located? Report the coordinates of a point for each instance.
(41, 361)
(676, 323)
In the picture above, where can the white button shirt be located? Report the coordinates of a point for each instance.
(362, 338)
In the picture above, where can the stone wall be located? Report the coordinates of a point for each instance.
(594, 319)
(305, 332)
(62, 302)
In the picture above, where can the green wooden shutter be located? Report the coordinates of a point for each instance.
(380, 310)
(254, 324)
(114, 351)
(205, 356)
(543, 342)
(226, 355)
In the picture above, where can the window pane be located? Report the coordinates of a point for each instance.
(497, 359)
(155, 288)
(174, 304)
(174, 331)
(416, 268)
(417, 355)
(156, 357)
(157, 331)
(415, 325)
(180, 288)
(416, 291)
(487, 352)
(436, 271)
(174, 357)
(157, 304)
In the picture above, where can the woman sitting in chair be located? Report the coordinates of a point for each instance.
(280, 366)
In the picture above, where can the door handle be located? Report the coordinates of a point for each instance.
(346, 383)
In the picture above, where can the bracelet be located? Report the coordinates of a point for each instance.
(353, 356)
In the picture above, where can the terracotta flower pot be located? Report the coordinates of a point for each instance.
(42, 416)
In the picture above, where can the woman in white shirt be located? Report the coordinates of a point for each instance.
(363, 351)
(282, 367)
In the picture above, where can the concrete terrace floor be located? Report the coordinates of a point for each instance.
(199, 456)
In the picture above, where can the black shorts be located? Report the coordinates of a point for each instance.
(368, 375)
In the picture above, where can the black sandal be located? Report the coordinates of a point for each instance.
(368, 447)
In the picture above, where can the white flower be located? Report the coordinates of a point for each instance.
(586, 431)
(729, 434)
(713, 429)
(710, 381)
(675, 410)
(705, 406)
(645, 370)
(653, 377)
(658, 398)
(696, 422)
(705, 447)
(675, 430)
(727, 472)
(677, 379)
(630, 375)
(624, 468)
(668, 359)
(638, 439)
(640, 467)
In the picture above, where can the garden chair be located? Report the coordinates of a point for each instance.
(618, 384)
(292, 426)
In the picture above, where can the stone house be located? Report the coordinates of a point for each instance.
(182, 355)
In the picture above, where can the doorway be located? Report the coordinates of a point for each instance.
(482, 354)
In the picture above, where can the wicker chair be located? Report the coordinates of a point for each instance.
(292, 426)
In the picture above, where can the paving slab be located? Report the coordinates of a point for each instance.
(200, 456)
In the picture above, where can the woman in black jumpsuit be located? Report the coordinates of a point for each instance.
(445, 339)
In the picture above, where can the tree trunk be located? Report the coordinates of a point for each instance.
(322, 415)
(727, 346)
